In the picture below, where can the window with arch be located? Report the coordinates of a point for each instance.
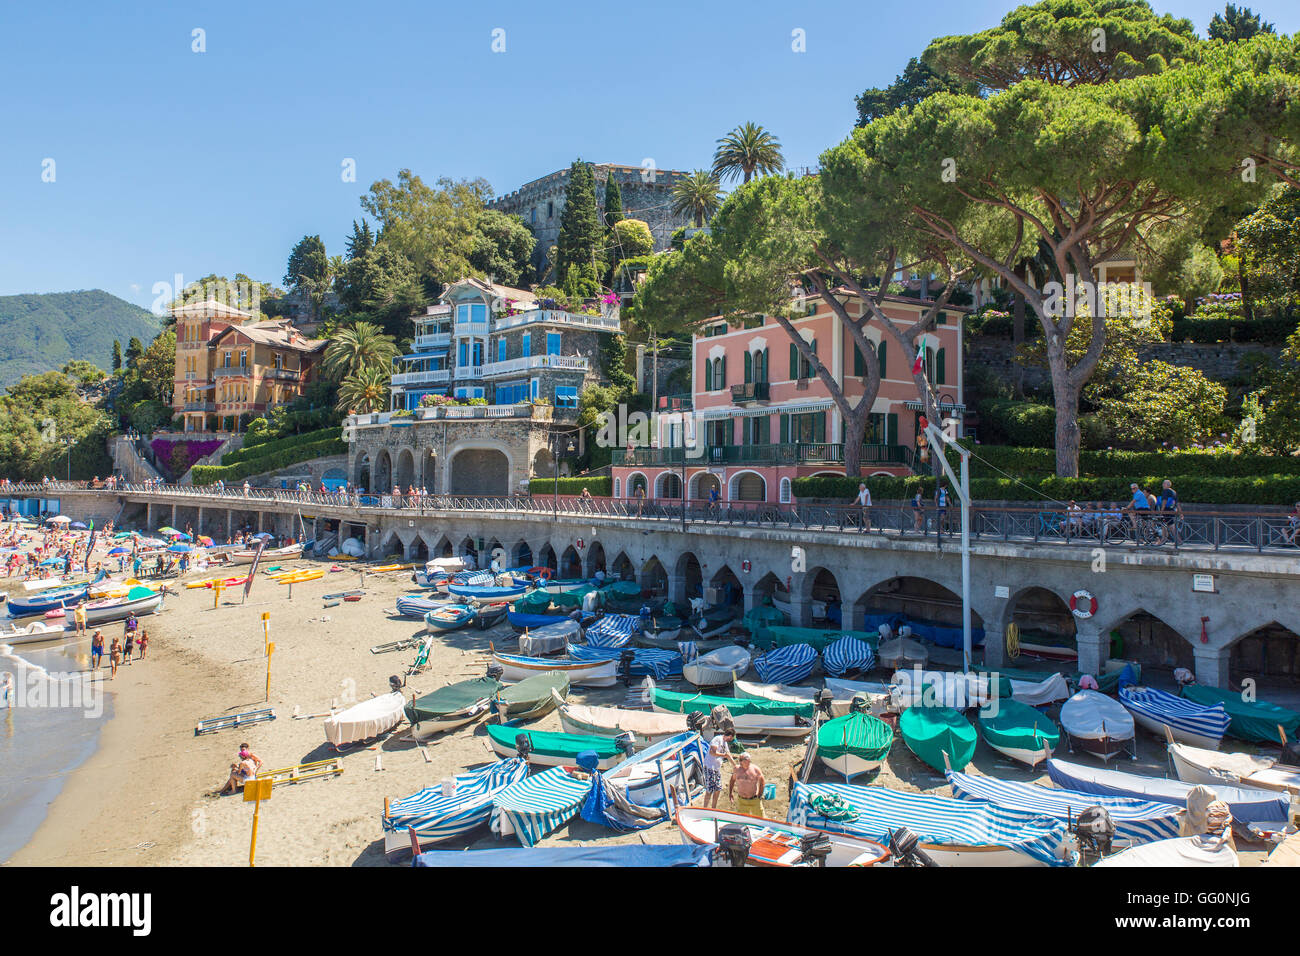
(756, 366)
(618, 488)
(785, 491)
(720, 373)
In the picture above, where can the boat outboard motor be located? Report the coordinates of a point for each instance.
(495, 671)
(396, 683)
(823, 701)
(1291, 753)
(523, 746)
(625, 660)
(859, 705)
(626, 742)
(695, 722)
(905, 848)
(1094, 830)
(815, 848)
(734, 843)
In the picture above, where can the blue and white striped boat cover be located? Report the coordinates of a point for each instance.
(474, 578)
(436, 817)
(646, 661)
(786, 665)
(934, 820)
(846, 654)
(538, 804)
(613, 630)
(1140, 821)
(1178, 712)
(689, 650)
(414, 605)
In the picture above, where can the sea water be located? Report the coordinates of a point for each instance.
(52, 727)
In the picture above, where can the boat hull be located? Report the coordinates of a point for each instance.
(540, 759)
(1181, 735)
(1024, 755)
(429, 727)
(116, 612)
(699, 825)
(851, 765)
(584, 673)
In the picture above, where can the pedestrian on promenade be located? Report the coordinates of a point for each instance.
(941, 507)
(864, 506)
(1293, 526)
(639, 494)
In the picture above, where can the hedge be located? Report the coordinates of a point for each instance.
(278, 445)
(1280, 490)
(1020, 423)
(1272, 329)
(207, 474)
(598, 485)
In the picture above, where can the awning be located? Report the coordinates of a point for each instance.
(942, 406)
(432, 353)
(763, 411)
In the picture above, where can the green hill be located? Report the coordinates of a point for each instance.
(43, 332)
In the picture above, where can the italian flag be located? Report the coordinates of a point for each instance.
(927, 341)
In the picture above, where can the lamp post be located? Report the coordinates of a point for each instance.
(69, 443)
(938, 439)
(555, 466)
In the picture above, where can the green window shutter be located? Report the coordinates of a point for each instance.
(939, 376)
(749, 368)
(723, 383)
(785, 429)
(708, 375)
(880, 355)
(859, 366)
(891, 429)
(794, 361)
(819, 428)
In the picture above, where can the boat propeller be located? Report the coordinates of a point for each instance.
(695, 722)
(626, 742)
(814, 848)
(734, 843)
(523, 746)
(396, 683)
(905, 848)
(824, 700)
(1094, 830)
(495, 671)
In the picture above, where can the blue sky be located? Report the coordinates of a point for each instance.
(170, 161)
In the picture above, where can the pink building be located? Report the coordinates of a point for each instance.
(758, 417)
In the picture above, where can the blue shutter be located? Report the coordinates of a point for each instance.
(794, 361)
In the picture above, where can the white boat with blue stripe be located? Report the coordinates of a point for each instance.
(451, 809)
(1189, 722)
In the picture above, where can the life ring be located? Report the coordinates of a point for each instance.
(1083, 604)
(544, 573)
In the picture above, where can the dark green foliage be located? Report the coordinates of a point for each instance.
(613, 201)
(361, 241)
(613, 359)
(580, 234)
(598, 485)
(134, 349)
(1007, 421)
(1236, 24)
(503, 248)
(36, 414)
(274, 457)
(270, 446)
(915, 83)
(117, 355)
(1271, 329)
(308, 263)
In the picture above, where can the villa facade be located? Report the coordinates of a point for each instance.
(758, 417)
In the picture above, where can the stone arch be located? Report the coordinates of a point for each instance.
(361, 476)
(700, 483)
(429, 470)
(725, 581)
(543, 464)
(418, 550)
(766, 590)
(690, 574)
(1270, 651)
(1042, 617)
(595, 558)
(747, 486)
(480, 468)
(383, 472)
(623, 569)
(570, 564)
(918, 599)
(820, 589)
(443, 548)
(466, 549)
(1150, 640)
(391, 543)
(635, 480)
(404, 472)
(668, 484)
(653, 576)
(521, 556)
(546, 557)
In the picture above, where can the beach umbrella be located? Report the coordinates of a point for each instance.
(116, 551)
(263, 534)
(126, 534)
(167, 529)
(180, 548)
(205, 541)
(78, 525)
(59, 519)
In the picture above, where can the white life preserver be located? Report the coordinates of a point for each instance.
(1083, 604)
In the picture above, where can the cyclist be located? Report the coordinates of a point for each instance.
(1138, 508)
(1169, 507)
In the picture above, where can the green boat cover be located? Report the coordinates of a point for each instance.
(534, 602)
(532, 695)
(567, 746)
(572, 598)
(932, 731)
(1021, 726)
(739, 706)
(760, 618)
(1019, 673)
(818, 637)
(859, 734)
(135, 594)
(1251, 720)
(449, 699)
(622, 589)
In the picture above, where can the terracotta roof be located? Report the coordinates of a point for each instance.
(493, 289)
(275, 334)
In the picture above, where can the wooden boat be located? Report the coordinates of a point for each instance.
(442, 813)
(139, 601)
(490, 615)
(717, 667)
(773, 843)
(854, 744)
(1189, 722)
(1020, 732)
(782, 693)
(1215, 768)
(485, 594)
(287, 553)
(1096, 724)
(417, 605)
(20, 606)
(32, 633)
(646, 727)
(879, 695)
(551, 639)
(939, 736)
(1256, 720)
(532, 697)
(715, 622)
(751, 717)
(552, 749)
(644, 638)
(652, 777)
(1203, 850)
(370, 718)
(663, 627)
(581, 673)
(450, 707)
(901, 653)
(449, 617)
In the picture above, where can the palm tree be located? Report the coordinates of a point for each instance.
(698, 195)
(746, 150)
(358, 347)
(365, 390)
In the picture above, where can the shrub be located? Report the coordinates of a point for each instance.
(268, 448)
(1018, 423)
(598, 485)
(271, 461)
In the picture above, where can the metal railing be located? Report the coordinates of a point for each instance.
(786, 453)
(1196, 531)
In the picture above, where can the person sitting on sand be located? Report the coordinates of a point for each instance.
(240, 774)
(246, 753)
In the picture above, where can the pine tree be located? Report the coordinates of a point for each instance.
(580, 234)
(134, 349)
(613, 201)
(117, 355)
(361, 241)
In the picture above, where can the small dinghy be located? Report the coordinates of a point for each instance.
(139, 601)
(1215, 768)
(551, 639)
(901, 653)
(646, 727)
(450, 707)
(1020, 732)
(718, 667)
(652, 777)
(490, 615)
(751, 717)
(1203, 850)
(417, 605)
(782, 693)
(848, 654)
(1189, 722)
(486, 594)
(1255, 720)
(448, 617)
(532, 697)
(714, 622)
(641, 661)
(547, 749)
(449, 810)
(854, 744)
(538, 804)
(772, 843)
(31, 633)
(939, 736)
(786, 665)
(613, 630)
(1096, 724)
(662, 627)
(370, 718)
(877, 694)
(581, 673)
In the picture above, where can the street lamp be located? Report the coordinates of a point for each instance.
(938, 438)
(69, 443)
(555, 466)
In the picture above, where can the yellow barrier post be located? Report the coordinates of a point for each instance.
(266, 630)
(256, 791)
(270, 649)
(216, 595)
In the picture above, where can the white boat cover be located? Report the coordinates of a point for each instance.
(717, 667)
(550, 638)
(370, 718)
(1091, 716)
(901, 652)
(1182, 851)
(785, 693)
(612, 721)
(846, 690)
(1213, 767)
(1037, 693)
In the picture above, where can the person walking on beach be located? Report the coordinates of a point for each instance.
(142, 643)
(746, 787)
(79, 616)
(96, 649)
(719, 749)
(128, 634)
(114, 657)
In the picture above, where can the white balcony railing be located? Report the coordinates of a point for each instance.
(468, 371)
(478, 328)
(421, 378)
(432, 340)
(528, 362)
(558, 317)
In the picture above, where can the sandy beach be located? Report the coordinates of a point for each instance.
(146, 796)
